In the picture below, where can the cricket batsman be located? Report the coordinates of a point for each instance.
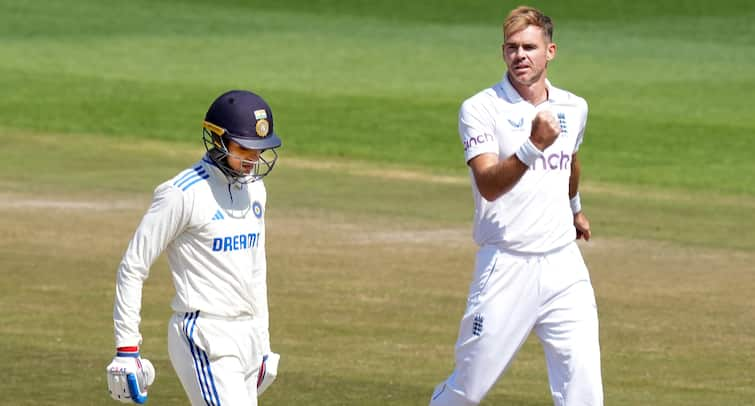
(210, 220)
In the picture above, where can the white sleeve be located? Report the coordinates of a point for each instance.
(165, 218)
(260, 292)
(583, 125)
(476, 131)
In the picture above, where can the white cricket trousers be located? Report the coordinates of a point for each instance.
(510, 296)
(216, 359)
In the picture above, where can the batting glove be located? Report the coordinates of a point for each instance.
(268, 372)
(129, 376)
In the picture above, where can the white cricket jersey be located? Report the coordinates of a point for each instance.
(214, 235)
(535, 215)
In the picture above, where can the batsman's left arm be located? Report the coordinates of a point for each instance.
(268, 370)
(259, 289)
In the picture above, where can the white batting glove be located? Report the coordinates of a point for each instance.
(268, 371)
(129, 376)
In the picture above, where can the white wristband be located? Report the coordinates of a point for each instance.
(576, 204)
(528, 153)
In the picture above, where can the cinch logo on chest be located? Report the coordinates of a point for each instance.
(555, 161)
(236, 242)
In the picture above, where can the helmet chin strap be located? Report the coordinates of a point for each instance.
(221, 161)
(219, 154)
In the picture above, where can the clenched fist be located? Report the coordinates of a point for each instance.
(545, 129)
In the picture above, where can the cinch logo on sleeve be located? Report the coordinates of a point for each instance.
(474, 141)
(555, 161)
(236, 242)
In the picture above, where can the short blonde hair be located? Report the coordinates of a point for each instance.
(524, 16)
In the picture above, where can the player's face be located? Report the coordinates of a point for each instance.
(242, 159)
(526, 54)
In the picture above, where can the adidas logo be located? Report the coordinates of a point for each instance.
(218, 215)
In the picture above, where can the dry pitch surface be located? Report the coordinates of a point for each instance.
(366, 312)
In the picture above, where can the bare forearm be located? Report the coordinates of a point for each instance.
(496, 178)
(574, 177)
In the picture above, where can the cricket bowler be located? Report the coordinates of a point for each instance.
(520, 138)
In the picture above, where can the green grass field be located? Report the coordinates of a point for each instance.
(369, 209)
